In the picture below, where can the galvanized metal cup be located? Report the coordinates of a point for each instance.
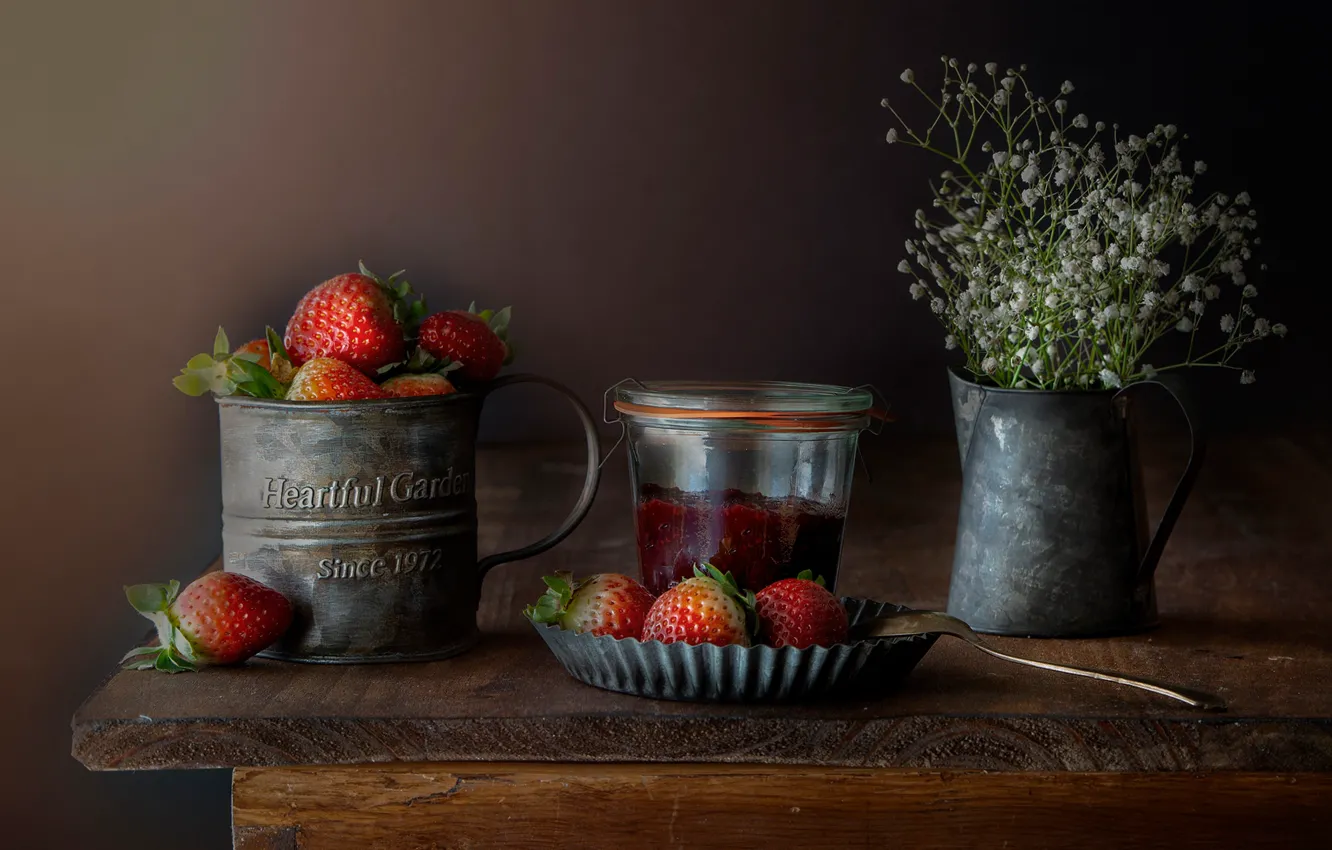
(363, 514)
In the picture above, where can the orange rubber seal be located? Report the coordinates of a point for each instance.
(797, 420)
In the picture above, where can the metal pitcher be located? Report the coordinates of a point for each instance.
(1052, 534)
(363, 514)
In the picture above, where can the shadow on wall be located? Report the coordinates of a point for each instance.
(660, 190)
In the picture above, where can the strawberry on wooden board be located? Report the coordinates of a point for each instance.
(477, 341)
(708, 608)
(602, 604)
(800, 612)
(356, 318)
(326, 379)
(406, 386)
(220, 618)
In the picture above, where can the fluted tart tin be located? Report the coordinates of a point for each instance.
(741, 674)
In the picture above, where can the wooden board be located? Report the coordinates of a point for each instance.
(1243, 589)
(615, 806)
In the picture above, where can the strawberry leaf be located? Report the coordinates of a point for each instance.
(151, 598)
(808, 575)
(258, 381)
(499, 323)
(190, 384)
(407, 311)
(276, 347)
(169, 663)
(221, 347)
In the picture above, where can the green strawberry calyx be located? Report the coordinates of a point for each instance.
(409, 307)
(223, 373)
(808, 575)
(421, 362)
(498, 322)
(173, 653)
(744, 598)
(554, 603)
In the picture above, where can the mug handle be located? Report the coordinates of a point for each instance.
(1197, 451)
(590, 481)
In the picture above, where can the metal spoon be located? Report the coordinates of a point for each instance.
(933, 622)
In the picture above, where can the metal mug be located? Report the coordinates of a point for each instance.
(363, 514)
(1052, 532)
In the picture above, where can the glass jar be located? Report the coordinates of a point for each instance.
(754, 478)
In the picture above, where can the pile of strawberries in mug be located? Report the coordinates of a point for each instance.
(354, 337)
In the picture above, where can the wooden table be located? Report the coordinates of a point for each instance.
(499, 748)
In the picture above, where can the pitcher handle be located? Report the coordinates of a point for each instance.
(1197, 451)
(590, 481)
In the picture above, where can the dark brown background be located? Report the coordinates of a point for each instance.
(662, 189)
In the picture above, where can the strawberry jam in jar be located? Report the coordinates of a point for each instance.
(753, 478)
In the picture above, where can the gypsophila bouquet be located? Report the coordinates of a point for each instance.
(1062, 252)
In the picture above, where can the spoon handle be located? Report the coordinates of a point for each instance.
(1197, 699)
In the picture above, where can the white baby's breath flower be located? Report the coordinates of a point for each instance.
(1242, 199)
(918, 291)
(904, 267)
(1247, 376)
(1149, 371)
(1279, 329)
(1199, 167)
(950, 342)
(1110, 379)
(989, 364)
(1250, 291)
(1080, 121)
(908, 76)
(892, 135)
(1211, 292)
(1227, 323)
(991, 68)
(937, 305)
(1066, 88)
(1262, 327)
(1184, 325)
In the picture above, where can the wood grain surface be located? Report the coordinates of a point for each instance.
(1243, 591)
(615, 806)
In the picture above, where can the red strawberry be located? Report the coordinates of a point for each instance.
(326, 379)
(413, 385)
(356, 318)
(259, 349)
(708, 608)
(220, 618)
(477, 341)
(800, 612)
(603, 604)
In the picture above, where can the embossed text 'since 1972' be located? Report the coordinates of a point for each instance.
(381, 566)
(281, 493)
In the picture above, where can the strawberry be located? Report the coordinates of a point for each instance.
(356, 318)
(431, 383)
(708, 608)
(258, 349)
(477, 341)
(800, 612)
(326, 379)
(603, 604)
(220, 618)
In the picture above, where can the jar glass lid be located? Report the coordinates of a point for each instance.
(749, 399)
